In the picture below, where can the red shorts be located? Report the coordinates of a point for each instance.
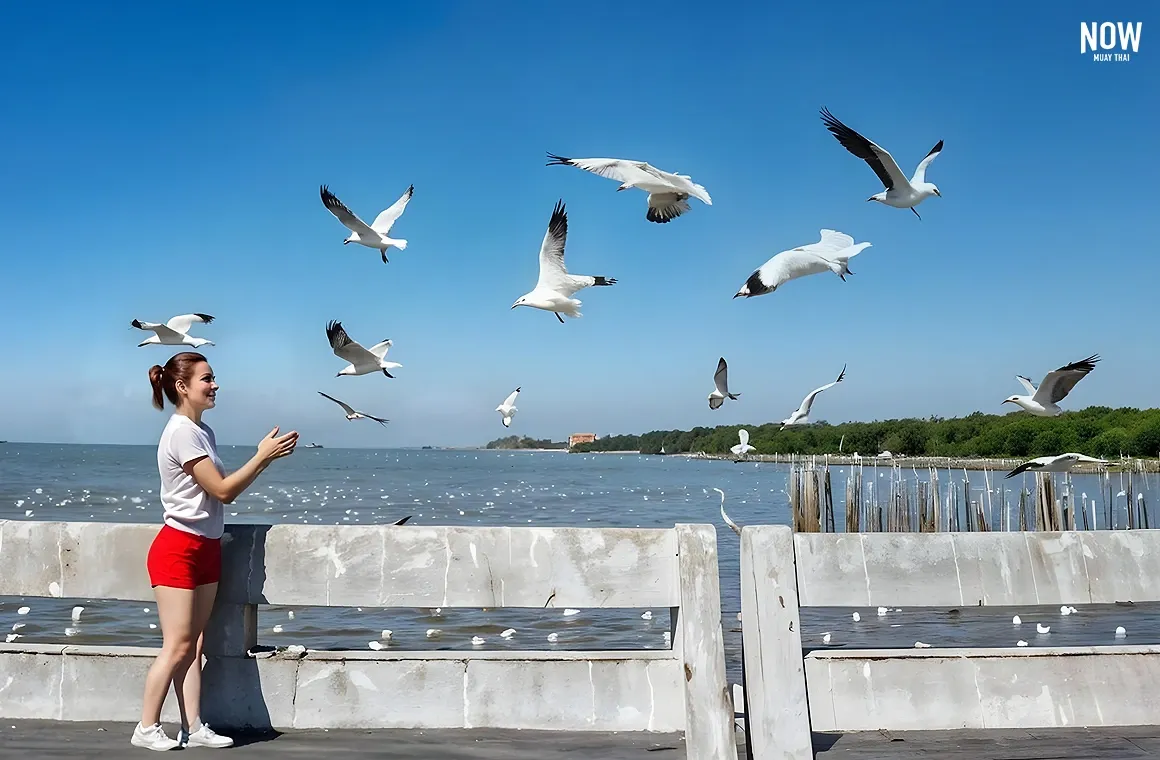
(184, 560)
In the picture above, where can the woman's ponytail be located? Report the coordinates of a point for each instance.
(156, 373)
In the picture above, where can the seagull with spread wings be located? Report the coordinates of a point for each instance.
(742, 448)
(1044, 401)
(351, 414)
(508, 409)
(373, 235)
(831, 253)
(721, 386)
(554, 289)
(362, 360)
(668, 194)
(900, 192)
(1057, 463)
(801, 415)
(175, 332)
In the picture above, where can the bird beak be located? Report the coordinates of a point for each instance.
(936, 192)
(514, 305)
(1008, 401)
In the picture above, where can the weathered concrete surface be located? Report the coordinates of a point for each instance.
(864, 690)
(1128, 743)
(952, 569)
(776, 708)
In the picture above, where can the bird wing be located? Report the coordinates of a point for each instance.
(1026, 381)
(876, 156)
(511, 399)
(721, 377)
(831, 242)
(684, 183)
(920, 172)
(182, 323)
(382, 223)
(715, 402)
(340, 403)
(743, 436)
(380, 349)
(1030, 464)
(147, 325)
(379, 420)
(664, 207)
(795, 263)
(808, 401)
(619, 169)
(1059, 383)
(553, 274)
(345, 215)
(345, 348)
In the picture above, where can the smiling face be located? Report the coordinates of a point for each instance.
(200, 393)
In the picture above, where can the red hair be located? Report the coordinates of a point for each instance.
(164, 379)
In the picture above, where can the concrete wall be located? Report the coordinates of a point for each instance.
(392, 566)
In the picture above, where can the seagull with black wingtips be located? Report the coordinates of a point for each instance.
(1044, 400)
(175, 332)
(351, 414)
(373, 235)
(362, 360)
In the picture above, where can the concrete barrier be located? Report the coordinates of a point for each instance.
(680, 689)
(789, 694)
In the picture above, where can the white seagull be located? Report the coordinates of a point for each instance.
(900, 192)
(721, 386)
(742, 448)
(801, 415)
(668, 194)
(375, 234)
(554, 289)
(351, 414)
(175, 332)
(832, 252)
(1043, 402)
(508, 408)
(362, 360)
(1057, 463)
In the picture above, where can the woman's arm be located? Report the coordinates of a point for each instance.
(226, 489)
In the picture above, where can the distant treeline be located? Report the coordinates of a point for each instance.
(1096, 431)
(517, 442)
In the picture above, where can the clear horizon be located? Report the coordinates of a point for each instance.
(152, 175)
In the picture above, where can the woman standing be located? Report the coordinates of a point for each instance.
(185, 559)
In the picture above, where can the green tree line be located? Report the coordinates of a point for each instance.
(516, 442)
(1096, 431)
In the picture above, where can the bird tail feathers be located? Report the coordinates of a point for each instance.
(401, 244)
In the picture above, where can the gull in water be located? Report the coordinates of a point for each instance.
(554, 289)
(668, 194)
(721, 386)
(900, 192)
(373, 235)
(832, 252)
(801, 415)
(508, 408)
(362, 360)
(1043, 401)
(351, 414)
(1057, 463)
(743, 448)
(175, 332)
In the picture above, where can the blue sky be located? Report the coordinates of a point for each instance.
(167, 160)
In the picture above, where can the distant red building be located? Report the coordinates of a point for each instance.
(576, 438)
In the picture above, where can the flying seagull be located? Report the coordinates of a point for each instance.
(743, 448)
(351, 414)
(362, 361)
(508, 408)
(1057, 463)
(721, 386)
(831, 253)
(900, 192)
(668, 194)
(1043, 402)
(374, 235)
(554, 289)
(801, 415)
(175, 332)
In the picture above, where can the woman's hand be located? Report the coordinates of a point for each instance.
(274, 446)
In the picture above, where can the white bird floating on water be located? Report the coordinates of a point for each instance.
(1041, 628)
(1043, 401)
(434, 633)
(1016, 621)
(571, 612)
(1121, 632)
(76, 613)
(882, 611)
(351, 414)
(553, 637)
(375, 645)
(507, 634)
(23, 610)
(1021, 643)
(362, 360)
(832, 253)
(857, 617)
(386, 635)
(477, 641)
(647, 615)
(920, 645)
(373, 235)
(742, 448)
(802, 415)
(175, 332)
(1057, 463)
(555, 287)
(668, 194)
(508, 408)
(900, 192)
(826, 638)
(721, 386)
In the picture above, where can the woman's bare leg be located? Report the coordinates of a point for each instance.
(187, 677)
(175, 608)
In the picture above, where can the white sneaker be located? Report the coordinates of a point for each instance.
(153, 737)
(204, 736)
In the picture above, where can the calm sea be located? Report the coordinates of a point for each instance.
(459, 487)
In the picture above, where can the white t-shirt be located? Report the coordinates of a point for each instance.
(187, 506)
